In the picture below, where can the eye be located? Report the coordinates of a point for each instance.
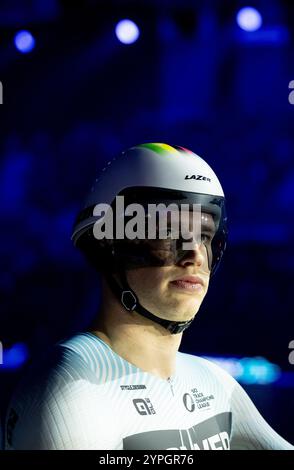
(205, 238)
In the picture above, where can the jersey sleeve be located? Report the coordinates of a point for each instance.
(250, 431)
(56, 409)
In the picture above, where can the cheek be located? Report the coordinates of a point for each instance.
(158, 277)
(148, 278)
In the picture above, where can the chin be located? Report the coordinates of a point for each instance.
(182, 312)
(188, 303)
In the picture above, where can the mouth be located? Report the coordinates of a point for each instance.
(189, 284)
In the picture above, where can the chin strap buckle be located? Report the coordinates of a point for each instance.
(178, 327)
(128, 300)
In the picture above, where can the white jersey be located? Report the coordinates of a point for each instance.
(88, 397)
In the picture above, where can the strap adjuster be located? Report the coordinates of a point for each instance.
(128, 299)
(178, 327)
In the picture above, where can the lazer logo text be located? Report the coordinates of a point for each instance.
(197, 177)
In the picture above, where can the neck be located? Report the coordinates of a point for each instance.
(136, 339)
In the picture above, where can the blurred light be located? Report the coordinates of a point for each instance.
(15, 357)
(249, 370)
(127, 31)
(249, 19)
(24, 41)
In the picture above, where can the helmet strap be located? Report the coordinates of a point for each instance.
(130, 302)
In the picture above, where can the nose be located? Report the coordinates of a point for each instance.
(196, 256)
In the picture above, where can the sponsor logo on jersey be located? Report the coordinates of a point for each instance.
(197, 399)
(188, 402)
(144, 407)
(133, 387)
(211, 434)
(218, 441)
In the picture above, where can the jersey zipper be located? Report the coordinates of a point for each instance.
(170, 382)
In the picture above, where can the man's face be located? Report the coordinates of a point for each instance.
(176, 292)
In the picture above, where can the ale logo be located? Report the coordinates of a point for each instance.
(144, 407)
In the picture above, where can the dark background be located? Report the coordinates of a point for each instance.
(194, 79)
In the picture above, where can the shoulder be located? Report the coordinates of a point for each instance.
(208, 370)
(51, 405)
(69, 364)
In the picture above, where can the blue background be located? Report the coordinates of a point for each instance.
(193, 79)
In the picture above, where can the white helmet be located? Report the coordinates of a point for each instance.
(150, 173)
